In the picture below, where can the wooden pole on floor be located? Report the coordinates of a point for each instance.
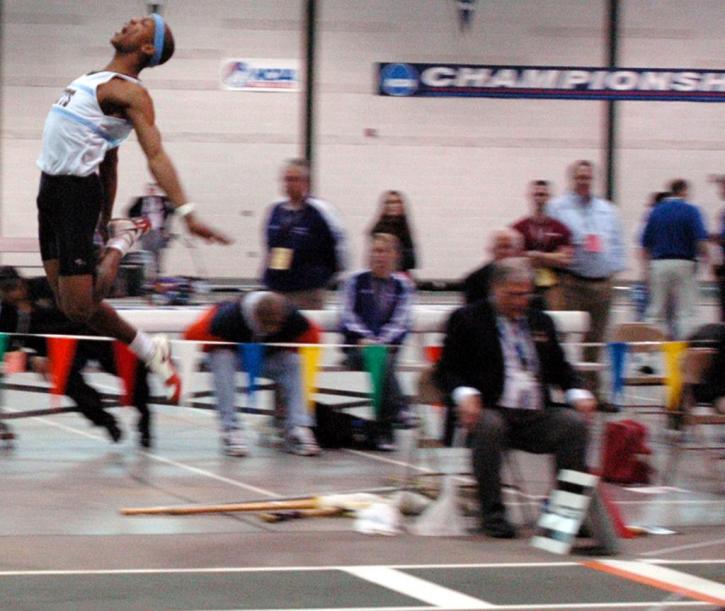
(179, 510)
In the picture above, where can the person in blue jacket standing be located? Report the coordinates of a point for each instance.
(305, 241)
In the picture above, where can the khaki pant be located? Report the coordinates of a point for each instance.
(594, 297)
(676, 279)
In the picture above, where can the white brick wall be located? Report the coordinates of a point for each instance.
(464, 163)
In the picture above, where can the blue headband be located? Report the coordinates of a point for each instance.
(158, 39)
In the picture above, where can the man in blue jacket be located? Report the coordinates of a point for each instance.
(305, 241)
(376, 309)
(673, 239)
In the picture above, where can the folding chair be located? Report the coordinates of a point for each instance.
(692, 416)
(642, 339)
(571, 328)
(430, 395)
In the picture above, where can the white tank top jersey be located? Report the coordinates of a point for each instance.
(77, 134)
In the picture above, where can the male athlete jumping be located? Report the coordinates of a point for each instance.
(82, 132)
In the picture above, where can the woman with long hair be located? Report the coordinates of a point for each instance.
(393, 218)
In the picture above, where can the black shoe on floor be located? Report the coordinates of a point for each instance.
(113, 431)
(499, 528)
(144, 430)
(608, 408)
(145, 440)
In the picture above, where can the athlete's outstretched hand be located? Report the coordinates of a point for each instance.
(196, 227)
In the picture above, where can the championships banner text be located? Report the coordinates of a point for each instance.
(550, 82)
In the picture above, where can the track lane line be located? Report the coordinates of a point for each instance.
(678, 548)
(663, 578)
(161, 459)
(415, 587)
(647, 606)
(325, 567)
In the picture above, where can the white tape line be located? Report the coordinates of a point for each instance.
(168, 461)
(414, 587)
(668, 550)
(672, 580)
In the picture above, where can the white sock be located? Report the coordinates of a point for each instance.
(142, 346)
(121, 243)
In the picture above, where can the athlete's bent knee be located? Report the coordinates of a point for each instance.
(80, 311)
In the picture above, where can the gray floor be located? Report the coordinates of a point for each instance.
(65, 545)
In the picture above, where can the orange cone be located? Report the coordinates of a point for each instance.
(61, 351)
(126, 363)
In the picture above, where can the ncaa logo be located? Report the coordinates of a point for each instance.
(236, 74)
(399, 79)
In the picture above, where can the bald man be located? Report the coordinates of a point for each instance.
(260, 317)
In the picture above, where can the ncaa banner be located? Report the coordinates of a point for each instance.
(550, 82)
(260, 75)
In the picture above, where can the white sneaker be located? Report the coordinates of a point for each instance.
(127, 230)
(160, 364)
(234, 443)
(301, 441)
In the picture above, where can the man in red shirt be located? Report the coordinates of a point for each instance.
(547, 244)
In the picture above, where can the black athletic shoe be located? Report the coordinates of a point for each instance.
(144, 429)
(145, 440)
(499, 528)
(114, 432)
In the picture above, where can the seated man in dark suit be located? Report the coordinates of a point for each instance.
(499, 358)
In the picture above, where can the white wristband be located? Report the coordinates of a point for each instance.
(185, 209)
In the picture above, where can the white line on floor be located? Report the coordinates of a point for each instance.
(565, 607)
(415, 587)
(168, 461)
(64, 427)
(214, 476)
(628, 605)
(701, 561)
(307, 568)
(390, 461)
(678, 548)
(673, 502)
(250, 569)
(666, 578)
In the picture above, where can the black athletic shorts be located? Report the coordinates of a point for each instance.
(68, 211)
